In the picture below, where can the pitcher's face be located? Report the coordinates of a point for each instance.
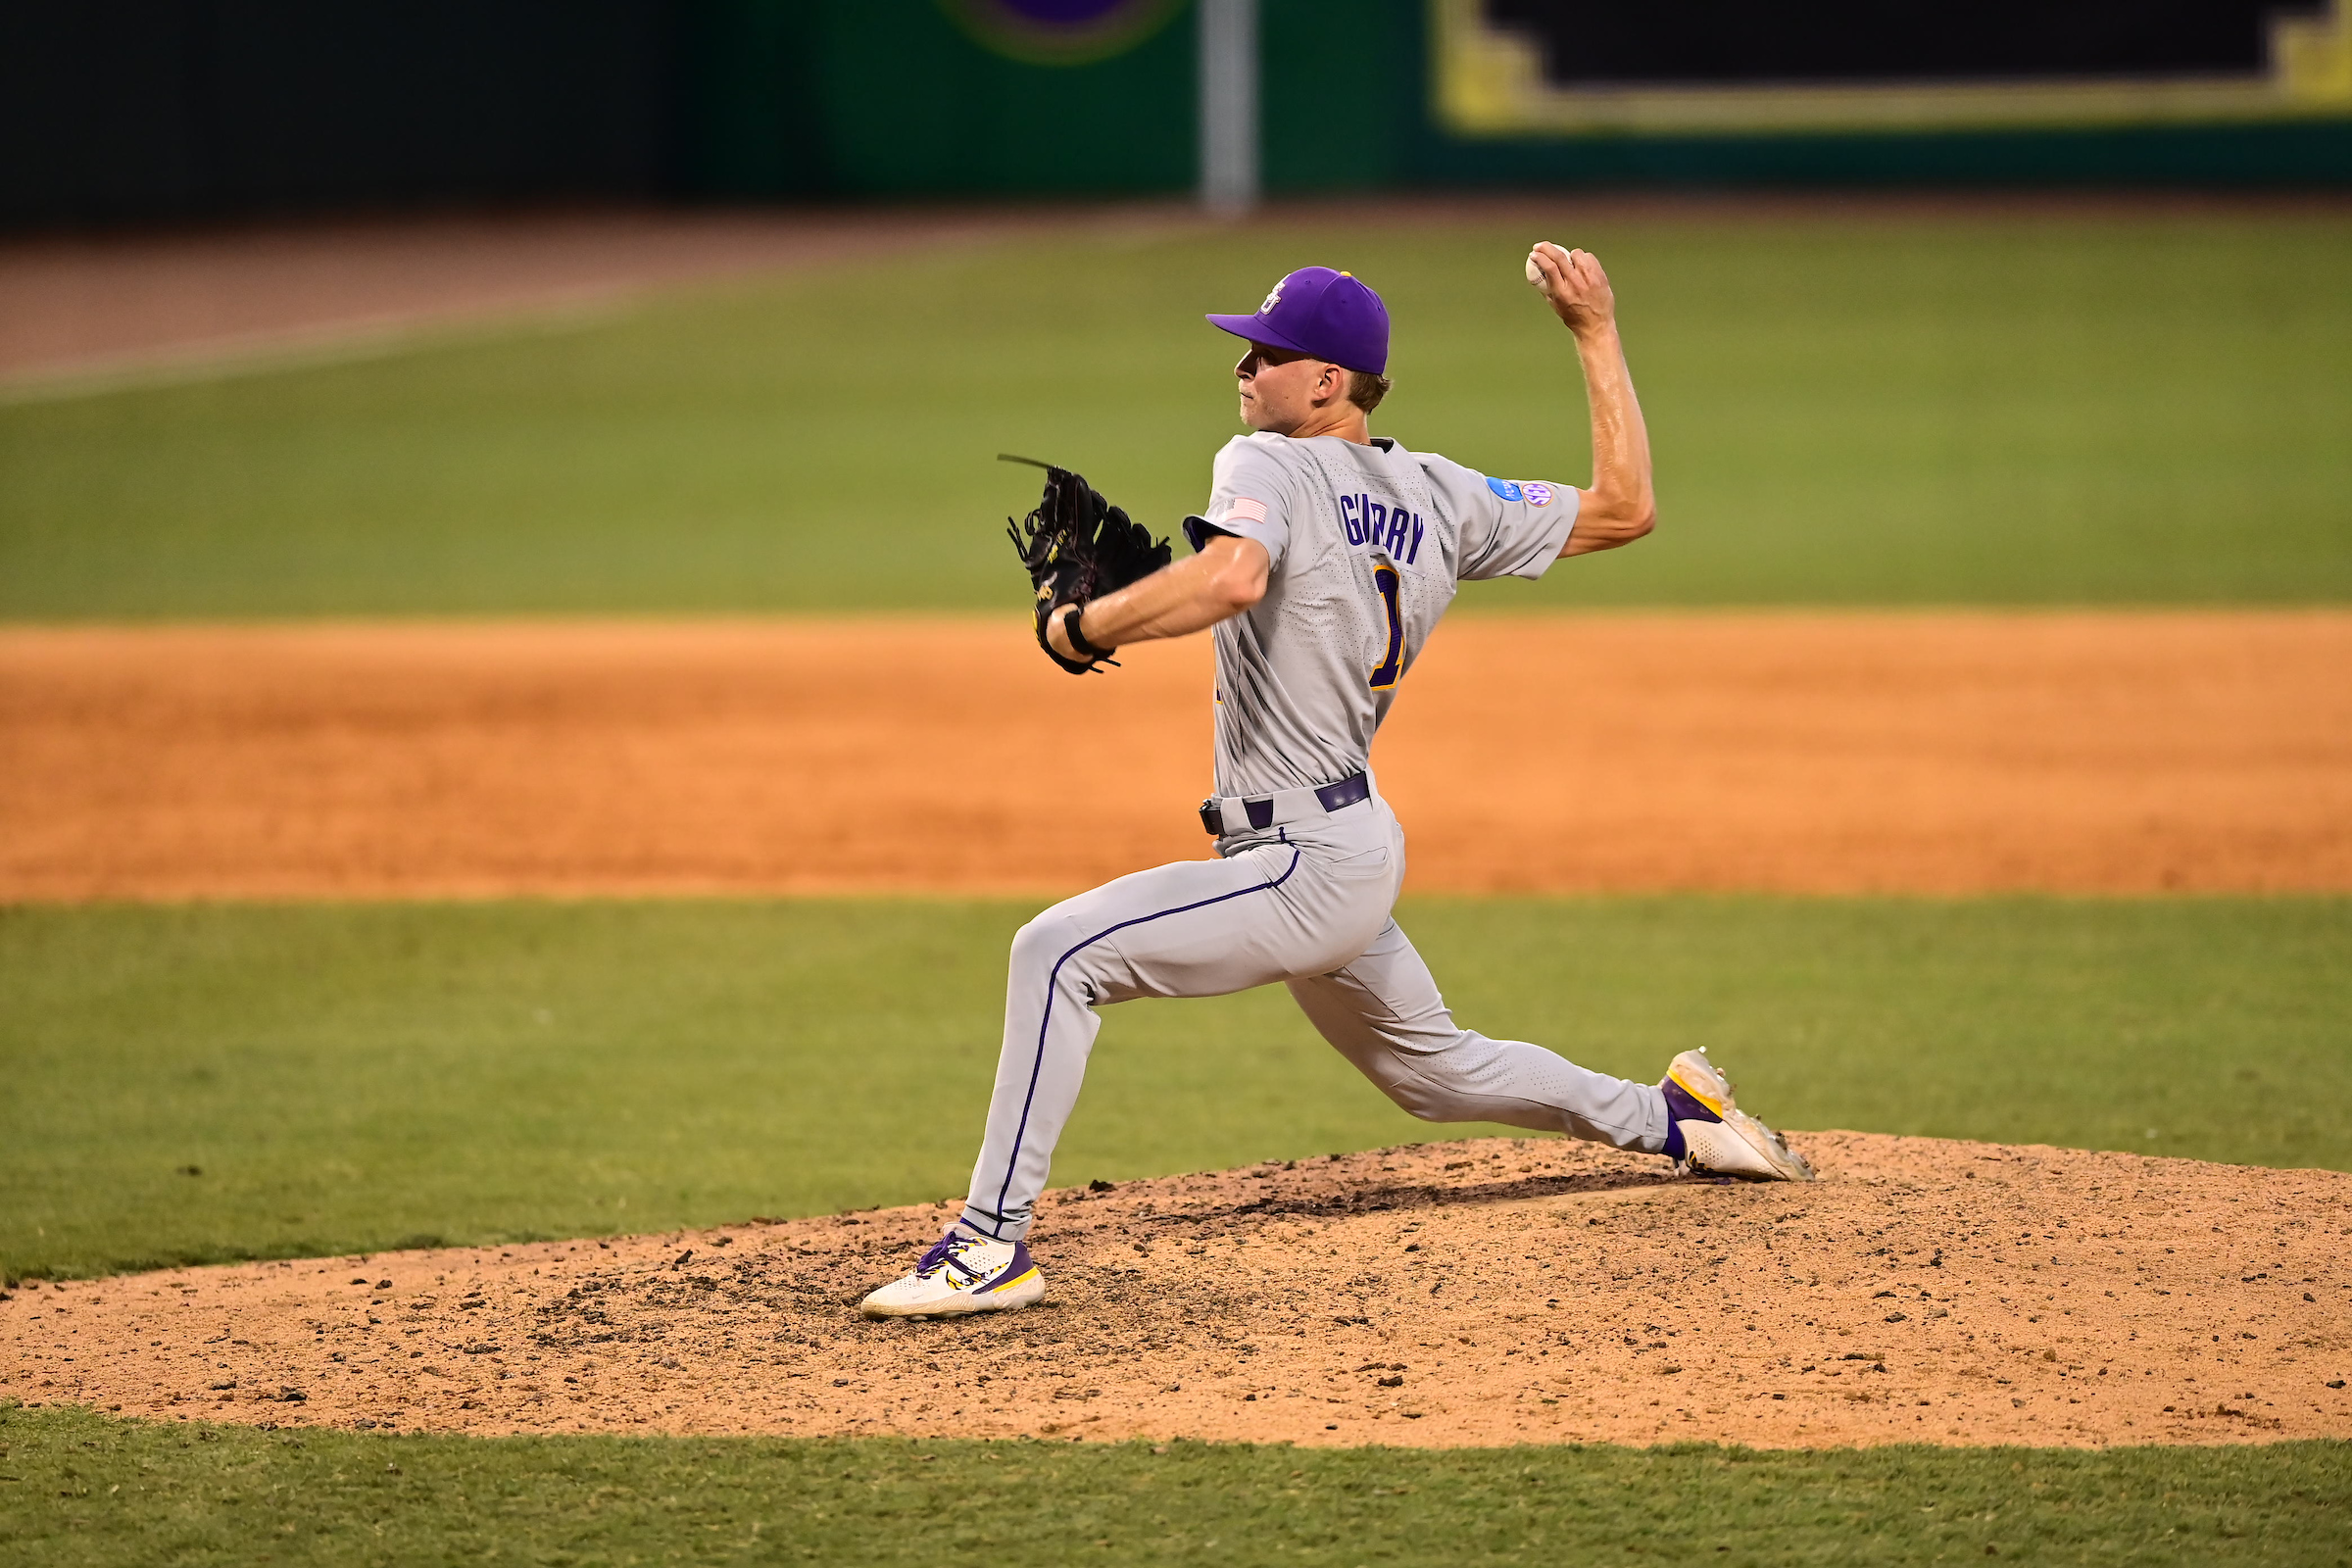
(1279, 386)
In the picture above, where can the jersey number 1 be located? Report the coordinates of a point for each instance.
(1384, 675)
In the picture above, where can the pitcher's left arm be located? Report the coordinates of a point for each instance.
(1227, 577)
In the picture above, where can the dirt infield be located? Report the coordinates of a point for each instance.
(1848, 752)
(1489, 1292)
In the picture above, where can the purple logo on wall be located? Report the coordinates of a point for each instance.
(1060, 32)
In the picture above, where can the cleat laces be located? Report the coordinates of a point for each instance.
(947, 1253)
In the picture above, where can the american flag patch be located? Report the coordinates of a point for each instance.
(1246, 509)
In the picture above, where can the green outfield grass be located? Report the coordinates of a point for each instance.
(82, 1490)
(1873, 408)
(216, 1082)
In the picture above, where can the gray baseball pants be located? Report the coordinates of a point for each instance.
(1307, 903)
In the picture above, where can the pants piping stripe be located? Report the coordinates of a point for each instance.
(1038, 1066)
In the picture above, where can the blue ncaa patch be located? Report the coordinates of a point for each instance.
(1505, 489)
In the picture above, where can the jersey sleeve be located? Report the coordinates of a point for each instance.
(1509, 528)
(1250, 497)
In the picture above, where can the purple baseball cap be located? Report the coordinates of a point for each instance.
(1315, 310)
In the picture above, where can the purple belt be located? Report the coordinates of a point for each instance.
(1226, 814)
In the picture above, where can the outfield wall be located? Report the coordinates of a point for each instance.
(138, 110)
(898, 99)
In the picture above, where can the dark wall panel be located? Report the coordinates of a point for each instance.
(1587, 41)
(95, 109)
(114, 110)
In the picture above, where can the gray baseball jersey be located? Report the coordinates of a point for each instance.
(1367, 545)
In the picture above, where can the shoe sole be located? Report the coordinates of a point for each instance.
(1027, 1291)
(1705, 1083)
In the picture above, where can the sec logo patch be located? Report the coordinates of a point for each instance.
(1537, 493)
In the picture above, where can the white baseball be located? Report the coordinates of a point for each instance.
(1535, 274)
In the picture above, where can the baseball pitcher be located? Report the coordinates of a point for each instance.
(1321, 564)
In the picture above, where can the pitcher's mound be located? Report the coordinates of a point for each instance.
(1487, 1292)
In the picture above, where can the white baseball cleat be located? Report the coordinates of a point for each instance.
(1710, 1134)
(962, 1274)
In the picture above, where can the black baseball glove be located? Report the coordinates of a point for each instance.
(1079, 547)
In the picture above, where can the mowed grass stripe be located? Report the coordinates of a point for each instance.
(1972, 407)
(82, 1490)
(201, 1083)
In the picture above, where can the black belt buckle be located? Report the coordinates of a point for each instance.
(1212, 818)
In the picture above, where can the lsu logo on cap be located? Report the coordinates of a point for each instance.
(1273, 296)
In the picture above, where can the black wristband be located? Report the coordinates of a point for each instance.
(1078, 643)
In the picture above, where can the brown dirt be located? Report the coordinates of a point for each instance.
(1489, 1292)
(1841, 753)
